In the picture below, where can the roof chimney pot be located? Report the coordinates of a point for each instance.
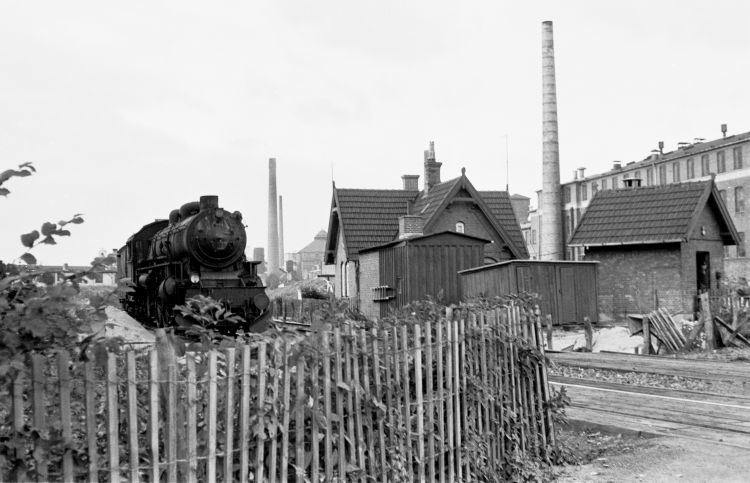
(431, 168)
(411, 182)
(724, 130)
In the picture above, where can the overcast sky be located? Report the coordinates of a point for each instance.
(130, 112)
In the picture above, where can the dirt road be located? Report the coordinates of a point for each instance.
(666, 459)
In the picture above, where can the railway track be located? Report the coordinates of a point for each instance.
(719, 419)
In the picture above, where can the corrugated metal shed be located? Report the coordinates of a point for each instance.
(567, 290)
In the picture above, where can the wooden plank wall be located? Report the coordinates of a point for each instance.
(330, 404)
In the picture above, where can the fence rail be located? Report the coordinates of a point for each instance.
(436, 400)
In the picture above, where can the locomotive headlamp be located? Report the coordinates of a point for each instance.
(195, 277)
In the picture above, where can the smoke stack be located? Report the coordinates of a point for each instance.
(281, 233)
(431, 168)
(273, 223)
(551, 239)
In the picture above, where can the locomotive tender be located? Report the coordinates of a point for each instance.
(200, 249)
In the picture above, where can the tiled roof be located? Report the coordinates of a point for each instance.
(652, 214)
(500, 205)
(370, 217)
(427, 204)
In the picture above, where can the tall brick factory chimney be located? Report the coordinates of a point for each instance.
(273, 222)
(281, 233)
(431, 168)
(551, 230)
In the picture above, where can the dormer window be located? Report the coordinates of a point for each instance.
(460, 227)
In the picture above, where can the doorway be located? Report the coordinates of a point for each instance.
(703, 271)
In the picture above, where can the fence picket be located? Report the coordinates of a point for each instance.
(341, 449)
(327, 406)
(370, 437)
(430, 399)
(19, 473)
(348, 377)
(230, 356)
(359, 409)
(171, 430)
(153, 413)
(406, 390)
(113, 430)
(379, 397)
(90, 403)
(63, 374)
(274, 367)
(245, 414)
(261, 410)
(299, 422)
(314, 411)
(459, 385)
(450, 376)
(212, 416)
(287, 409)
(419, 400)
(39, 410)
(132, 417)
(192, 420)
(440, 402)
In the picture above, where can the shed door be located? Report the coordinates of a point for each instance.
(568, 302)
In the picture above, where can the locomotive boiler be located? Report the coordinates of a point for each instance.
(200, 249)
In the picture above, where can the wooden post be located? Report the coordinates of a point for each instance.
(549, 333)
(589, 333)
(646, 335)
(708, 322)
(735, 309)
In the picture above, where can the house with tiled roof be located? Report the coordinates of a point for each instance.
(361, 219)
(657, 246)
(309, 259)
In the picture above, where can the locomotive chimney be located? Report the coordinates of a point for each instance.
(281, 233)
(273, 223)
(209, 202)
(551, 243)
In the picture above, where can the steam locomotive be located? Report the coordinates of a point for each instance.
(198, 250)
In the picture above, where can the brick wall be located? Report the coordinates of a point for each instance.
(369, 278)
(631, 276)
(410, 225)
(475, 224)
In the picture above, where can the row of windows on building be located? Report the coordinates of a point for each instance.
(739, 199)
(661, 174)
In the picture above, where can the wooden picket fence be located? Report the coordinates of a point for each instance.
(443, 400)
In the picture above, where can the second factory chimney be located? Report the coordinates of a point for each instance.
(551, 232)
(281, 233)
(273, 222)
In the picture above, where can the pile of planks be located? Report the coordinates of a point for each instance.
(665, 329)
(730, 336)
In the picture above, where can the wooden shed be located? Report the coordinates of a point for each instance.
(567, 290)
(394, 274)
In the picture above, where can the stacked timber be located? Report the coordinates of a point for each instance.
(664, 328)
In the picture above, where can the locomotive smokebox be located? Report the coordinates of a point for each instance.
(209, 202)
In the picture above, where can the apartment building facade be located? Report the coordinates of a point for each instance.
(727, 159)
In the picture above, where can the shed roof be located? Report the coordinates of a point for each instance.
(420, 238)
(654, 214)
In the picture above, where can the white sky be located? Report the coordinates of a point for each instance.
(130, 112)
